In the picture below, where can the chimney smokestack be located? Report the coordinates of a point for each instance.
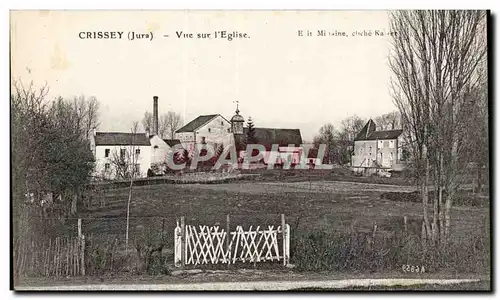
(155, 115)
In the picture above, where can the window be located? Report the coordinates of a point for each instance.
(156, 147)
(228, 130)
(391, 144)
(106, 152)
(208, 129)
(380, 144)
(222, 123)
(122, 154)
(137, 169)
(137, 151)
(106, 167)
(391, 156)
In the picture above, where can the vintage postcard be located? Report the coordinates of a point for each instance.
(250, 150)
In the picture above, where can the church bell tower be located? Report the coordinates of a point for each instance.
(237, 121)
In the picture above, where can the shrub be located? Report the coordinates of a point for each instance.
(358, 251)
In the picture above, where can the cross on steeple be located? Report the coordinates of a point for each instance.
(237, 106)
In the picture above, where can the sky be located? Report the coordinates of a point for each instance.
(281, 79)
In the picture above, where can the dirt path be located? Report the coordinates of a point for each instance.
(255, 285)
(297, 187)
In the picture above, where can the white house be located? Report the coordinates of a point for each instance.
(377, 149)
(114, 151)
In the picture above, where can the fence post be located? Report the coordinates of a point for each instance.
(83, 255)
(81, 239)
(79, 228)
(287, 243)
(227, 239)
(183, 242)
(178, 246)
(283, 230)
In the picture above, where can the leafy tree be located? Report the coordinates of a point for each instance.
(250, 136)
(52, 152)
(251, 139)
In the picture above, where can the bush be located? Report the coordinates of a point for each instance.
(357, 251)
(149, 246)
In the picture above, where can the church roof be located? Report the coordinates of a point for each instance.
(369, 132)
(270, 136)
(198, 122)
(121, 139)
(237, 118)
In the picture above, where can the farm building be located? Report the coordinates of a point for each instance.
(377, 149)
(116, 153)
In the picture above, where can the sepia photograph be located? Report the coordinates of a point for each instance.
(250, 150)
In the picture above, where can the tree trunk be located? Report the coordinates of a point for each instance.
(128, 213)
(440, 199)
(435, 206)
(74, 201)
(424, 191)
(479, 179)
(451, 188)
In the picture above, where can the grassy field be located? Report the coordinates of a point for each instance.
(324, 205)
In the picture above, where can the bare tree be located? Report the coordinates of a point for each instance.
(349, 128)
(435, 61)
(86, 114)
(173, 122)
(389, 121)
(163, 126)
(125, 164)
(167, 124)
(147, 121)
(92, 116)
(327, 136)
(124, 160)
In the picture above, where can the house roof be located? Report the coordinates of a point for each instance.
(121, 139)
(369, 132)
(385, 135)
(172, 143)
(198, 122)
(271, 136)
(366, 131)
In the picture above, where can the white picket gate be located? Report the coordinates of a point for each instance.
(195, 245)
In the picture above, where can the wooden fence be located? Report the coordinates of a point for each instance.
(59, 257)
(48, 257)
(195, 245)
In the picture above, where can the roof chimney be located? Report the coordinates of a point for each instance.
(155, 115)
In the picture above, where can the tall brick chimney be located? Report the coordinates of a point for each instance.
(155, 115)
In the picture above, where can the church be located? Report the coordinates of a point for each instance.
(216, 130)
